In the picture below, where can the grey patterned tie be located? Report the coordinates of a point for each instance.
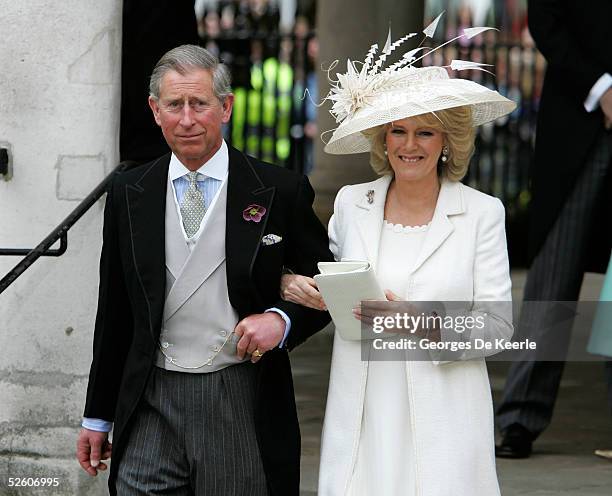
(192, 207)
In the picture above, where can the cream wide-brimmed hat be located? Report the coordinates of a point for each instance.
(373, 95)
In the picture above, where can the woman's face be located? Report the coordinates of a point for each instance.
(413, 150)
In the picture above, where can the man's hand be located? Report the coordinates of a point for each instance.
(606, 105)
(92, 447)
(260, 331)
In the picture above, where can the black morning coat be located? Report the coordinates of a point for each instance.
(576, 40)
(132, 292)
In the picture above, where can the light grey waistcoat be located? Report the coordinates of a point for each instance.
(198, 321)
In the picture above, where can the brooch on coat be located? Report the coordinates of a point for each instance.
(370, 196)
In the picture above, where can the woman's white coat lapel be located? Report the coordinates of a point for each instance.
(371, 212)
(450, 202)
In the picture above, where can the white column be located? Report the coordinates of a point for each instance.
(60, 67)
(346, 29)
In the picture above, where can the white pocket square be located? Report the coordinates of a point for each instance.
(271, 239)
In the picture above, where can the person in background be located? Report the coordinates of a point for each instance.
(600, 342)
(570, 207)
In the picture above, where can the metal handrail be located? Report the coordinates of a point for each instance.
(59, 233)
(55, 252)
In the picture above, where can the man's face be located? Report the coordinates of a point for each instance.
(190, 115)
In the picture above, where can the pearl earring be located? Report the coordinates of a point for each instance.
(444, 157)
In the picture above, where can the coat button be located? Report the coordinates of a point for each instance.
(223, 333)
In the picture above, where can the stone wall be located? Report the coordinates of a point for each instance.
(60, 65)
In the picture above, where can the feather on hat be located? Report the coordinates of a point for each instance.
(374, 95)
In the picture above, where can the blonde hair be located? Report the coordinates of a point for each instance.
(459, 134)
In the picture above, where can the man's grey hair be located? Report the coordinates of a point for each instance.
(184, 58)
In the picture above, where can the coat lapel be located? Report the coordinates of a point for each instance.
(370, 219)
(450, 202)
(146, 204)
(243, 238)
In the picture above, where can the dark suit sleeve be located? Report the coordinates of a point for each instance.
(558, 41)
(308, 244)
(113, 327)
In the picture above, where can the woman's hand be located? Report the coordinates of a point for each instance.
(382, 310)
(376, 308)
(301, 290)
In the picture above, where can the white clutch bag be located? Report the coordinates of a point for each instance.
(343, 285)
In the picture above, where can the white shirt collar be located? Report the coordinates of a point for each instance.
(216, 167)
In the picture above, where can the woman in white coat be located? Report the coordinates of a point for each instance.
(414, 427)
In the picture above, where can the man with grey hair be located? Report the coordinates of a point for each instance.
(190, 365)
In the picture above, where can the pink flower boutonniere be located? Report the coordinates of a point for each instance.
(253, 213)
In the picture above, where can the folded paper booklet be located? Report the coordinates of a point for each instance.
(343, 285)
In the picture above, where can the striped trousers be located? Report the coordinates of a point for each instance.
(194, 435)
(556, 275)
